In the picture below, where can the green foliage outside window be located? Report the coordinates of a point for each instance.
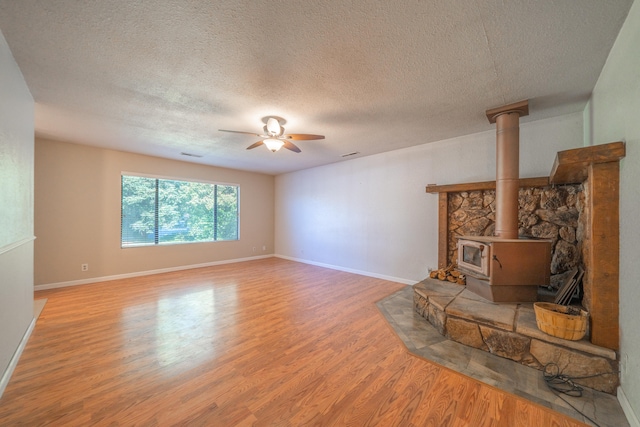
(157, 211)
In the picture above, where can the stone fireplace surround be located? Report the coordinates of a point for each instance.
(594, 211)
(578, 207)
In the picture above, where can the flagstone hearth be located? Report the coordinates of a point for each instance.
(510, 331)
(421, 339)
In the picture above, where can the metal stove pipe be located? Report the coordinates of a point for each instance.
(507, 120)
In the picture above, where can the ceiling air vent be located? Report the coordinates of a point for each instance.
(190, 154)
(350, 154)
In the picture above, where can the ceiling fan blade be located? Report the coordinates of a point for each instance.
(290, 146)
(302, 136)
(254, 145)
(246, 133)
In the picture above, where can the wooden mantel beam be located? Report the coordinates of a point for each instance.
(572, 166)
(485, 185)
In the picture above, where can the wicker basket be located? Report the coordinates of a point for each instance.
(561, 321)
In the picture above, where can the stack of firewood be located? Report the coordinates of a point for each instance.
(450, 274)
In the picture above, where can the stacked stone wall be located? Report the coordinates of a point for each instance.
(554, 212)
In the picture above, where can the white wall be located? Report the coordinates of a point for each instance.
(614, 114)
(372, 214)
(16, 210)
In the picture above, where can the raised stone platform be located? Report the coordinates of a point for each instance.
(509, 330)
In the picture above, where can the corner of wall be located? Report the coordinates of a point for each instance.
(16, 211)
(587, 124)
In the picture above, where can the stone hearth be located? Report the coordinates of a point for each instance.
(510, 331)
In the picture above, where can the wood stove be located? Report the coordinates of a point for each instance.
(505, 270)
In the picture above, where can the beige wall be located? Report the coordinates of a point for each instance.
(77, 214)
(16, 212)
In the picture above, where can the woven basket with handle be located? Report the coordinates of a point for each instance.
(561, 321)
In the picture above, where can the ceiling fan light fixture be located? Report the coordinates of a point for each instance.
(273, 144)
(273, 126)
(274, 137)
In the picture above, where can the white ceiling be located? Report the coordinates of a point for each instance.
(160, 77)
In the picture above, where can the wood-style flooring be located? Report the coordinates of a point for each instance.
(266, 343)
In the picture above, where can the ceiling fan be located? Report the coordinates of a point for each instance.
(274, 137)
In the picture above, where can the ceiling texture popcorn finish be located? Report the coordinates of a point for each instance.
(161, 77)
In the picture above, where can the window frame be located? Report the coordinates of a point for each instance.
(158, 178)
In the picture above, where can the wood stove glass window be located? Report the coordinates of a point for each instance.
(472, 255)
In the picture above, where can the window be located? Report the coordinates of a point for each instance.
(159, 211)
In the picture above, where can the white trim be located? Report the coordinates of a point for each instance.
(632, 418)
(351, 270)
(143, 273)
(6, 376)
(16, 244)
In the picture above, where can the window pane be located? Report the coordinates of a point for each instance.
(227, 214)
(185, 211)
(201, 211)
(138, 210)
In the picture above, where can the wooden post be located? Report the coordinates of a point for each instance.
(443, 230)
(600, 166)
(604, 188)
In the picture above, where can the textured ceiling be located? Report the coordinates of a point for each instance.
(161, 77)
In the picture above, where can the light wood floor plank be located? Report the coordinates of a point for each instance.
(266, 343)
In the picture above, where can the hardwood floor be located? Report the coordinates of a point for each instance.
(269, 342)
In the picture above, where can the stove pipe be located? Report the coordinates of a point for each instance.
(507, 120)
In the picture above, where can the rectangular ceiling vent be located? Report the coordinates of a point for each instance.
(350, 154)
(190, 154)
